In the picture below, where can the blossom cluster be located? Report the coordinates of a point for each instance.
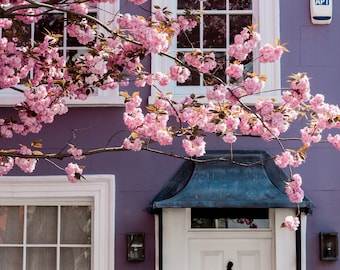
(293, 189)
(292, 223)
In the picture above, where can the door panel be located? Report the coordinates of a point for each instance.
(245, 254)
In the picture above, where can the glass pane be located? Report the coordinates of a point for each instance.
(11, 224)
(75, 258)
(215, 30)
(240, 4)
(215, 4)
(20, 30)
(72, 41)
(73, 55)
(188, 4)
(11, 258)
(42, 224)
(41, 258)
(242, 218)
(53, 23)
(189, 38)
(237, 23)
(219, 71)
(75, 225)
(194, 78)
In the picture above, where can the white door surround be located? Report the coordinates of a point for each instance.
(181, 247)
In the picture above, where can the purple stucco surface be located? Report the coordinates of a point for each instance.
(314, 49)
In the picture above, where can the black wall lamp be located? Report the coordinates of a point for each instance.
(329, 246)
(135, 247)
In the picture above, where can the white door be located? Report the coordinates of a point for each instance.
(186, 248)
(230, 254)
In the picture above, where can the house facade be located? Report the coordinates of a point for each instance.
(142, 211)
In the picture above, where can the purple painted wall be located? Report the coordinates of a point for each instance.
(315, 49)
(139, 176)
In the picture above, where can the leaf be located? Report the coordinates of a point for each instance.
(8, 151)
(134, 135)
(135, 94)
(37, 153)
(124, 94)
(37, 144)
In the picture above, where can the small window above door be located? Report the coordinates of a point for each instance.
(230, 218)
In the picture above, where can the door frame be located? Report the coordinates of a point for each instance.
(172, 227)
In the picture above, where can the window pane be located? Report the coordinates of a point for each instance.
(189, 38)
(41, 258)
(72, 55)
(215, 4)
(194, 78)
(75, 258)
(20, 30)
(75, 225)
(219, 71)
(188, 4)
(42, 224)
(215, 30)
(240, 4)
(11, 224)
(52, 23)
(237, 23)
(241, 218)
(72, 41)
(11, 258)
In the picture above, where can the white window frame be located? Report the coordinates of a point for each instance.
(266, 15)
(99, 188)
(103, 98)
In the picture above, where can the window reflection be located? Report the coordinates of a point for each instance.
(215, 31)
(220, 22)
(222, 218)
(33, 235)
(240, 4)
(11, 224)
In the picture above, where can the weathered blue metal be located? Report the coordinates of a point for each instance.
(251, 180)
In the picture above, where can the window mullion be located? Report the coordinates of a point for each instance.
(58, 237)
(24, 240)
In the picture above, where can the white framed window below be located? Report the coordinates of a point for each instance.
(226, 18)
(48, 223)
(69, 47)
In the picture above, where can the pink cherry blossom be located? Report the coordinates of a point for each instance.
(134, 145)
(25, 164)
(334, 140)
(74, 172)
(195, 147)
(270, 53)
(76, 153)
(179, 74)
(293, 189)
(5, 23)
(291, 223)
(235, 70)
(252, 85)
(6, 164)
(186, 23)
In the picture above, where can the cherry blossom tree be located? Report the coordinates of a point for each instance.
(114, 58)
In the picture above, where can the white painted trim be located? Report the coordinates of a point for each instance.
(99, 187)
(285, 251)
(157, 229)
(176, 233)
(267, 15)
(303, 226)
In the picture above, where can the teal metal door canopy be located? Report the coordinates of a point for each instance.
(256, 183)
